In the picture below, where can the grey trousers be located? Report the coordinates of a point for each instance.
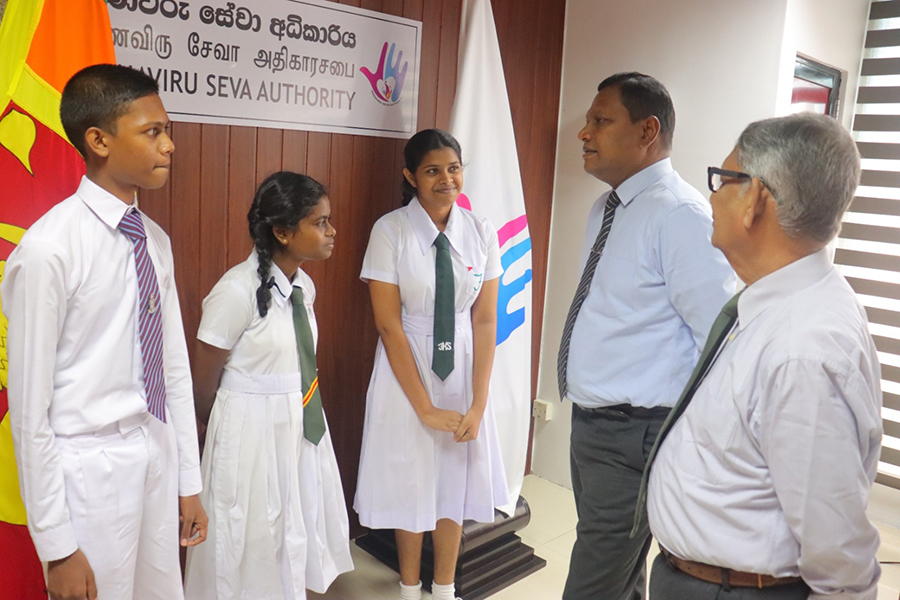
(668, 583)
(607, 460)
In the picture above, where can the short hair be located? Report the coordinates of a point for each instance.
(418, 147)
(644, 96)
(97, 96)
(811, 166)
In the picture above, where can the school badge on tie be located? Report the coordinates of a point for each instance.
(444, 311)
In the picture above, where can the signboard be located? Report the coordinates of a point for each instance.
(286, 64)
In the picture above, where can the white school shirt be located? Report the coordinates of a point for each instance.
(770, 467)
(401, 252)
(231, 320)
(70, 293)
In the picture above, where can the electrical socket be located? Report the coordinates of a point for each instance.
(542, 410)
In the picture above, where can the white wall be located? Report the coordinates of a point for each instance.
(720, 61)
(831, 32)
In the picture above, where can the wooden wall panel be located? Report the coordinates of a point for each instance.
(531, 44)
(184, 207)
(216, 170)
(293, 151)
(318, 155)
(241, 187)
(214, 162)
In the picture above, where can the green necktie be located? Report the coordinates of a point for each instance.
(313, 416)
(722, 325)
(444, 309)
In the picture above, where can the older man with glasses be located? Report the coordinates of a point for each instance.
(759, 479)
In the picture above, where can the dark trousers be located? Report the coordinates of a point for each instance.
(668, 583)
(607, 459)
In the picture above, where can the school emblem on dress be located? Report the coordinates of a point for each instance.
(477, 280)
(151, 304)
(445, 346)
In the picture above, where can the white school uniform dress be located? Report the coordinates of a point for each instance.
(410, 475)
(277, 519)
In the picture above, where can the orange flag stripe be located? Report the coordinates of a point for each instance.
(58, 49)
(42, 44)
(312, 390)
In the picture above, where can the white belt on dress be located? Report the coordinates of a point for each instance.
(420, 325)
(283, 383)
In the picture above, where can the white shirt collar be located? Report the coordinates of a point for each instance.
(426, 231)
(629, 189)
(776, 287)
(280, 285)
(107, 207)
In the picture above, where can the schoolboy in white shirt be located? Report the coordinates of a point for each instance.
(100, 396)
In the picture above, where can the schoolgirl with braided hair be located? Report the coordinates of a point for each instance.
(271, 481)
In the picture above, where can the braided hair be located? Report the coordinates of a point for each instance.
(283, 199)
(420, 145)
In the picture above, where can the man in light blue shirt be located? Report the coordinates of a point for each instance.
(650, 289)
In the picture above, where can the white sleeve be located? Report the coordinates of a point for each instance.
(820, 434)
(493, 268)
(34, 301)
(227, 312)
(380, 261)
(179, 386)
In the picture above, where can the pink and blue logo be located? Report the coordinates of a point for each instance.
(387, 80)
(508, 321)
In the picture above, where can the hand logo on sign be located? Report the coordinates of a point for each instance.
(387, 80)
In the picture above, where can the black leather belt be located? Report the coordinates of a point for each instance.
(623, 412)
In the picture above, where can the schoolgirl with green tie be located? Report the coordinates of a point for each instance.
(430, 454)
(278, 521)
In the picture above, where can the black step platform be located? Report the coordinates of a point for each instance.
(491, 555)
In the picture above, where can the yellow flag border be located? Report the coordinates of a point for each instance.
(18, 82)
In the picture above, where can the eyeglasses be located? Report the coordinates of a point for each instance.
(715, 177)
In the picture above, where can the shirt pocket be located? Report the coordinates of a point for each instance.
(474, 279)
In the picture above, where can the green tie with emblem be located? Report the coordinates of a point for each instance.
(313, 415)
(444, 309)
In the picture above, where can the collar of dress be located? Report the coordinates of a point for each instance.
(426, 231)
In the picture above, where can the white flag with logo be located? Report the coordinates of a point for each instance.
(482, 123)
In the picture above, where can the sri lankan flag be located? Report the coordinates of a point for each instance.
(42, 44)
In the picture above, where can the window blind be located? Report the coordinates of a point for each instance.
(868, 248)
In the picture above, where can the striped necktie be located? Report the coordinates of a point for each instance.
(149, 315)
(723, 324)
(584, 286)
(313, 414)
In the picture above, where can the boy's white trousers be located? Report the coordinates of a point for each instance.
(122, 494)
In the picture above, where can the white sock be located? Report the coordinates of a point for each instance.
(411, 592)
(443, 592)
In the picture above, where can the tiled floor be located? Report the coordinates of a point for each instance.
(552, 532)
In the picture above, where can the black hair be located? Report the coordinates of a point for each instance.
(643, 96)
(97, 96)
(417, 147)
(283, 199)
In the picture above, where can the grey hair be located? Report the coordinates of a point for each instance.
(810, 164)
